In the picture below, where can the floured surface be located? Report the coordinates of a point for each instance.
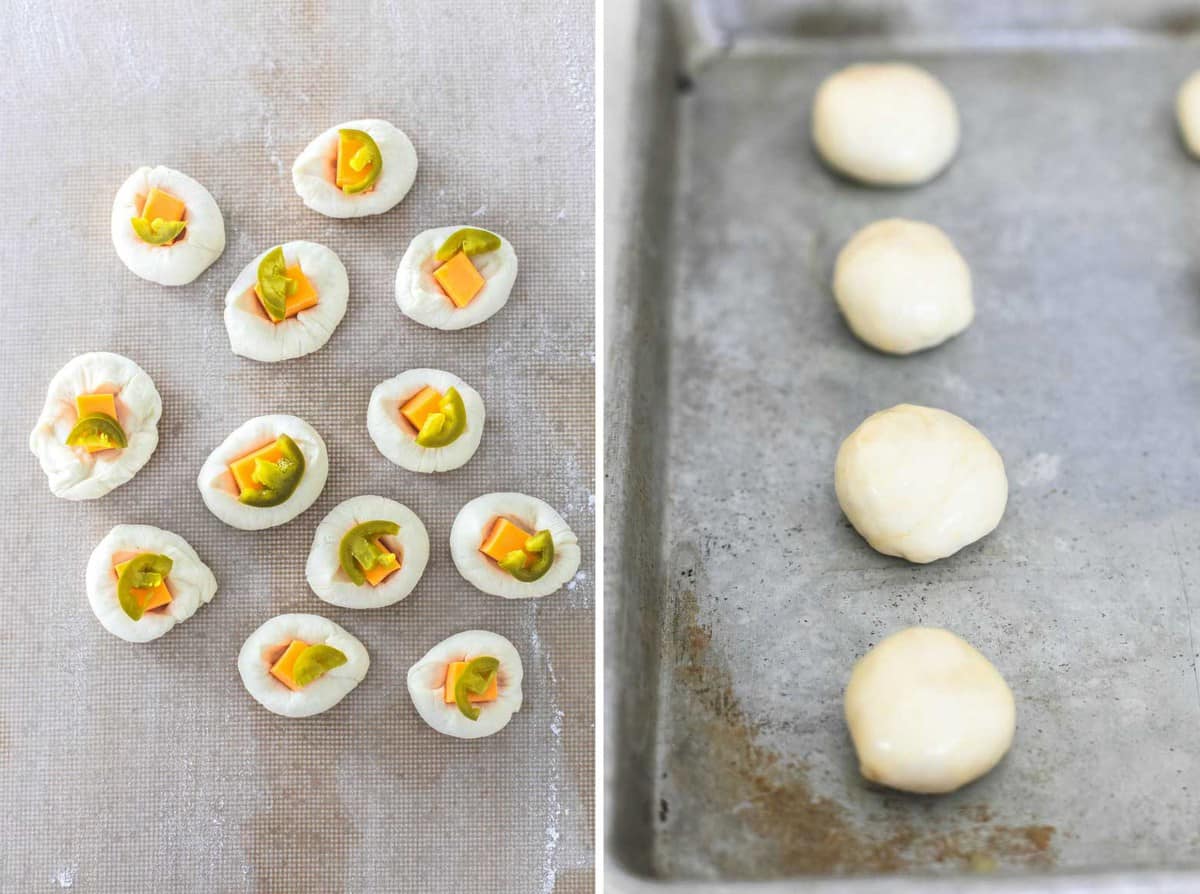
(135, 767)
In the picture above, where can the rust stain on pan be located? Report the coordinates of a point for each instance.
(795, 830)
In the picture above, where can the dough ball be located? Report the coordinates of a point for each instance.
(920, 483)
(902, 286)
(889, 125)
(314, 171)
(421, 298)
(927, 712)
(1187, 107)
(396, 438)
(427, 685)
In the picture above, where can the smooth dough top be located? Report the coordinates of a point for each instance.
(190, 581)
(312, 173)
(920, 483)
(73, 473)
(183, 260)
(886, 124)
(427, 681)
(422, 299)
(253, 334)
(475, 519)
(1187, 108)
(902, 286)
(927, 712)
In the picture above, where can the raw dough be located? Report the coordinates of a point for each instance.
(889, 125)
(427, 679)
(182, 261)
(421, 298)
(1187, 107)
(397, 440)
(411, 545)
(190, 581)
(73, 473)
(927, 712)
(475, 519)
(902, 286)
(312, 173)
(319, 695)
(253, 334)
(219, 490)
(920, 483)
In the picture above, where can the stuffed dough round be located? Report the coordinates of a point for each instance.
(180, 261)
(221, 491)
(190, 582)
(427, 685)
(472, 526)
(255, 335)
(73, 472)
(313, 173)
(421, 298)
(396, 437)
(410, 545)
(264, 647)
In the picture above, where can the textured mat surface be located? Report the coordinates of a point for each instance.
(129, 768)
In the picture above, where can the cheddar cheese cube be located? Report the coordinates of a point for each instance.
(459, 279)
(378, 573)
(418, 407)
(149, 599)
(282, 669)
(303, 298)
(96, 403)
(454, 671)
(163, 205)
(503, 539)
(345, 175)
(243, 468)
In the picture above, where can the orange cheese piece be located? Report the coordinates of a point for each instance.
(378, 574)
(454, 671)
(418, 407)
(150, 599)
(346, 175)
(96, 403)
(503, 539)
(459, 279)
(303, 298)
(164, 205)
(243, 469)
(281, 670)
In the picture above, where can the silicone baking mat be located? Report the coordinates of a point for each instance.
(129, 767)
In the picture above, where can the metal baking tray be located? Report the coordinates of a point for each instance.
(738, 597)
(127, 768)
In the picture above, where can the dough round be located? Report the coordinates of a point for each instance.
(73, 473)
(253, 334)
(902, 286)
(927, 712)
(262, 649)
(472, 525)
(187, 257)
(1187, 108)
(190, 581)
(427, 681)
(220, 491)
(920, 483)
(313, 171)
(397, 439)
(889, 125)
(421, 298)
(411, 546)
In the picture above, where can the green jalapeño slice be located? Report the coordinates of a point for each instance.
(144, 572)
(359, 161)
(469, 241)
(474, 680)
(358, 552)
(277, 479)
(157, 231)
(97, 431)
(444, 427)
(274, 285)
(315, 662)
(540, 547)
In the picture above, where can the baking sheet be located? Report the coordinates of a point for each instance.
(739, 595)
(134, 768)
